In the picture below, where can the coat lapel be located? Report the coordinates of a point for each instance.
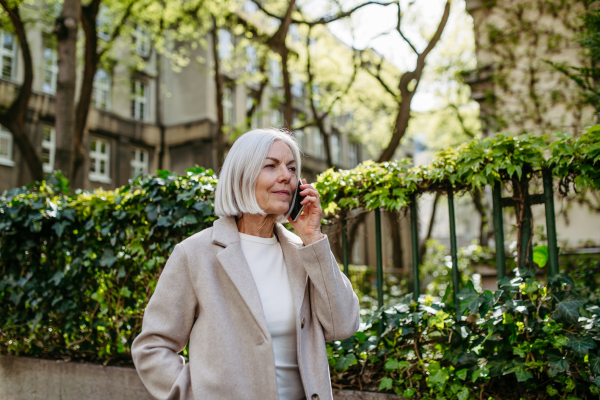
(296, 271)
(234, 262)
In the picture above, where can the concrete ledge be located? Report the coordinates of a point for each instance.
(23, 378)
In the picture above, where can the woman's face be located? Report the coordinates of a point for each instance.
(277, 180)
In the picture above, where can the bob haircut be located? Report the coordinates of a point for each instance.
(235, 193)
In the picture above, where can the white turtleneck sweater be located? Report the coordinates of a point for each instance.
(265, 259)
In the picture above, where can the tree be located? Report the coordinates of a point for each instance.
(408, 82)
(13, 117)
(66, 33)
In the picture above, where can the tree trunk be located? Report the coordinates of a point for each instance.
(287, 88)
(14, 117)
(219, 136)
(89, 14)
(406, 94)
(396, 232)
(66, 33)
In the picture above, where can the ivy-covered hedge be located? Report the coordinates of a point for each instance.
(527, 340)
(501, 158)
(77, 271)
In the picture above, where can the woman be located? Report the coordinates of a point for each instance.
(255, 302)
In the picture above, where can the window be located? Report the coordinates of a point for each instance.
(335, 149)
(297, 88)
(8, 53)
(103, 24)
(50, 70)
(316, 95)
(300, 139)
(6, 147)
(276, 118)
(251, 60)
(99, 161)
(141, 40)
(228, 115)
(225, 44)
(294, 33)
(353, 155)
(275, 73)
(48, 149)
(250, 7)
(139, 162)
(139, 100)
(101, 90)
(255, 122)
(317, 144)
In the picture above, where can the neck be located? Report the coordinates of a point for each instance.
(256, 225)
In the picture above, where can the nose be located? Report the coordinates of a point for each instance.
(285, 175)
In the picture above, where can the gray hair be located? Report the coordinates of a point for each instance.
(235, 193)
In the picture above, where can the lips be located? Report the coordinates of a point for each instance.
(283, 192)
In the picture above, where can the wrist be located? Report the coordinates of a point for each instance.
(312, 239)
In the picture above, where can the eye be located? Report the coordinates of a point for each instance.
(270, 166)
(293, 169)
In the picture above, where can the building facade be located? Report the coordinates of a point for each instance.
(152, 118)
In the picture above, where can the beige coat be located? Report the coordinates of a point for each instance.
(206, 295)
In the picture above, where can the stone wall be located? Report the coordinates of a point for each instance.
(24, 378)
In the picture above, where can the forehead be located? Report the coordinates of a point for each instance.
(281, 151)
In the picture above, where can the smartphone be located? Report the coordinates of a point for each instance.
(296, 206)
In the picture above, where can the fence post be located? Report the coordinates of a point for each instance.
(345, 247)
(550, 223)
(379, 265)
(526, 247)
(499, 230)
(453, 250)
(415, 247)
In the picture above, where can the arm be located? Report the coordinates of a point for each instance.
(168, 320)
(335, 303)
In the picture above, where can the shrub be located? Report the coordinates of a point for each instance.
(77, 271)
(526, 340)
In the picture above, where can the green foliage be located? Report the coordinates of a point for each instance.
(77, 271)
(527, 335)
(472, 165)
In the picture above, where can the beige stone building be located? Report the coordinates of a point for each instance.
(149, 119)
(519, 91)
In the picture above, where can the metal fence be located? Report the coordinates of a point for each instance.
(498, 203)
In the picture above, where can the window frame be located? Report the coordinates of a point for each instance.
(142, 42)
(8, 160)
(97, 90)
(228, 104)
(51, 68)
(4, 52)
(335, 149)
(96, 157)
(50, 146)
(139, 165)
(136, 100)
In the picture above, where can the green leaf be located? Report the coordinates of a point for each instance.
(463, 394)
(108, 258)
(540, 256)
(521, 373)
(595, 364)
(408, 393)
(385, 384)
(462, 374)
(391, 364)
(125, 292)
(343, 362)
(567, 310)
(469, 299)
(581, 345)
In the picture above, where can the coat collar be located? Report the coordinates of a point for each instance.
(225, 234)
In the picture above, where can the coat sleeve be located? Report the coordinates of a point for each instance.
(335, 303)
(166, 327)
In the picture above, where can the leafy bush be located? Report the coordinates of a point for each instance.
(527, 340)
(77, 271)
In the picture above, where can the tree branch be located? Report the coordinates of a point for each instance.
(117, 31)
(398, 28)
(323, 20)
